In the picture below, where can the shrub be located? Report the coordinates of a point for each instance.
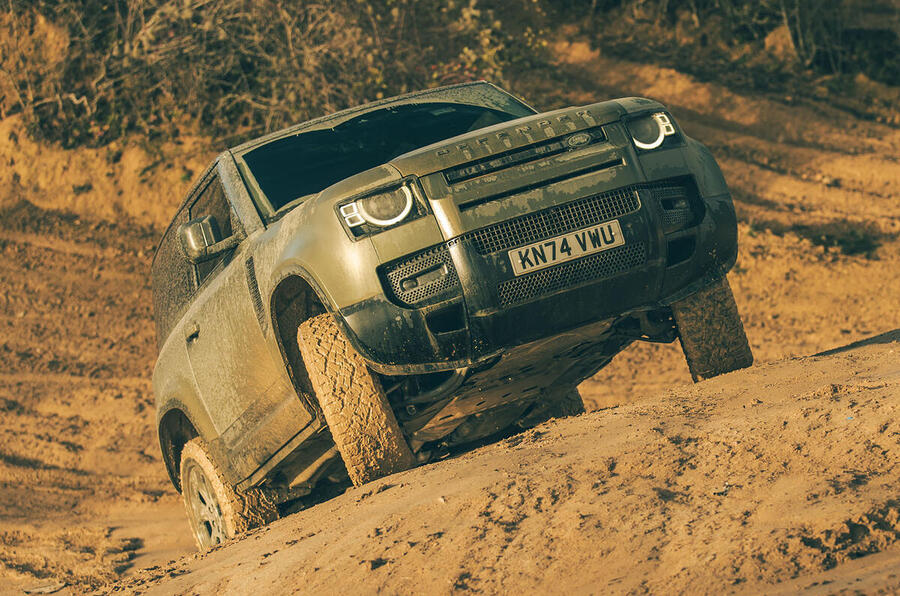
(714, 37)
(89, 71)
(233, 66)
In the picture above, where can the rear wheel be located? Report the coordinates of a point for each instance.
(215, 510)
(711, 332)
(353, 403)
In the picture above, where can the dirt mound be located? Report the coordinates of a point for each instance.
(134, 179)
(775, 474)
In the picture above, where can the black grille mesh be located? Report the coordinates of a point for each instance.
(668, 191)
(677, 219)
(437, 257)
(599, 266)
(556, 220)
(675, 205)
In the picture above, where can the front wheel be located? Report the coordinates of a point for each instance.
(215, 510)
(711, 332)
(353, 403)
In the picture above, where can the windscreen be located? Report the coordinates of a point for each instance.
(307, 163)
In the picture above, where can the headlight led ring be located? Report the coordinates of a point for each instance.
(666, 128)
(407, 193)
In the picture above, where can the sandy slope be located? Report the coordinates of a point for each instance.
(809, 181)
(624, 497)
(758, 477)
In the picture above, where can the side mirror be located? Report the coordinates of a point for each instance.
(202, 241)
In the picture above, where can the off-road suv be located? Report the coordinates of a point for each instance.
(361, 292)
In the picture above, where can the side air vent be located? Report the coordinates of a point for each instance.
(679, 203)
(255, 296)
(424, 278)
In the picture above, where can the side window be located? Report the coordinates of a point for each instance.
(172, 280)
(212, 201)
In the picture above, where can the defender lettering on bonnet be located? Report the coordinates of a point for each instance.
(352, 296)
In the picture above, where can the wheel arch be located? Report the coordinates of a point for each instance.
(294, 299)
(175, 429)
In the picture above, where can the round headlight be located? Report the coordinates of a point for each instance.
(387, 208)
(647, 132)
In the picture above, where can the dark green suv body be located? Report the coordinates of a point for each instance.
(450, 259)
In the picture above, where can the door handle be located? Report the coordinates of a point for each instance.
(193, 332)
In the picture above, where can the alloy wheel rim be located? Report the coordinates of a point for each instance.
(209, 525)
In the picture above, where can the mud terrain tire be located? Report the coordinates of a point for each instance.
(711, 332)
(358, 414)
(215, 510)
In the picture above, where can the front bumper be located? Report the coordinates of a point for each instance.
(481, 308)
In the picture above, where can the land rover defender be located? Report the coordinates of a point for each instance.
(359, 293)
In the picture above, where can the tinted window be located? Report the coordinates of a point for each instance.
(172, 279)
(306, 163)
(212, 201)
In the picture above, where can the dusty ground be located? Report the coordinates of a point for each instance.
(82, 493)
(782, 474)
(739, 483)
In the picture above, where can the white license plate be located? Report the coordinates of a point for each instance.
(567, 247)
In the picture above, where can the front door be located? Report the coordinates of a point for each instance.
(248, 391)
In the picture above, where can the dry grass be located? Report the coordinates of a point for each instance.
(87, 71)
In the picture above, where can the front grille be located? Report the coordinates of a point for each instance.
(423, 278)
(600, 266)
(555, 220)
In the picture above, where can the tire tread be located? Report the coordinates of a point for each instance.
(711, 332)
(353, 403)
(241, 511)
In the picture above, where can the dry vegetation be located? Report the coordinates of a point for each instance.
(90, 71)
(845, 51)
(87, 71)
